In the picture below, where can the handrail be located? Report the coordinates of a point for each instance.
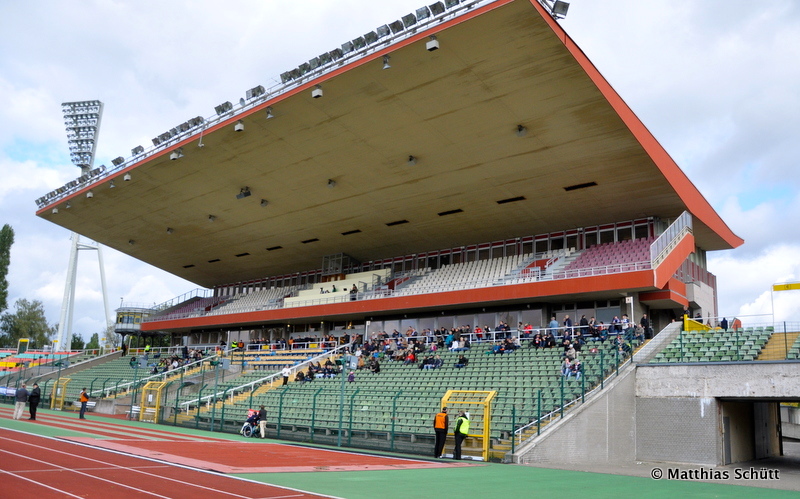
(163, 376)
(251, 385)
(591, 393)
(667, 241)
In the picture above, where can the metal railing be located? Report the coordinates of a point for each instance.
(186, 405)
(666, 242)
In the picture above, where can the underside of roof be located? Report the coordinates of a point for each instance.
(417, 157)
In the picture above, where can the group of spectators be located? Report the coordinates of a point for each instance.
(167, 364)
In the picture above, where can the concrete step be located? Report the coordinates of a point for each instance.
(778, 346)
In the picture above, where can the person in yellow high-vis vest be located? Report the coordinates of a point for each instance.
(460, 432)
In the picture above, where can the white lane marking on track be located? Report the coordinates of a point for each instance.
(170, 464)
(17, 442)
(79, 472)
(39, 484)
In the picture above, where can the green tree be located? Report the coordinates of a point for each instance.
(94, 342)
(77, 342)
(28, 321)
(6, 240)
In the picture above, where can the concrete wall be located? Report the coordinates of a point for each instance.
(601, 432)
(678, 429)
(738, 435)
(764, 380)
(703, 297)
(673, 413)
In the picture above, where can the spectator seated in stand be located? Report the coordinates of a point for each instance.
(566, 367)
(462, 362)
(426, 362)
(575, 369)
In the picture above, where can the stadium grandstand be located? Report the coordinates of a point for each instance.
(459, 184)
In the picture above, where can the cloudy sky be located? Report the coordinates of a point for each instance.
(716, 81)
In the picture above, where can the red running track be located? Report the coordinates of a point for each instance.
(42, 467)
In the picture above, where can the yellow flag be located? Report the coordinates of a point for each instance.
(789, 286)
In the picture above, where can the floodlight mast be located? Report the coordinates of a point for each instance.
(82, 122)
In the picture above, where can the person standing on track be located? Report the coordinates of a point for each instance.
(440, 425)
(84, 400)
(33, 401)
(460, 432)
(20, 399)
(262, 422)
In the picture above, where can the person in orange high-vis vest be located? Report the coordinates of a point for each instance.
(440, 425)
(83, 399)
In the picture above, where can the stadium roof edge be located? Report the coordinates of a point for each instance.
(695, 202)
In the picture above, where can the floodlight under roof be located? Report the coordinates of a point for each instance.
(371, 37)
(243, 193)
(396, 27)
(304, 68)
(347, 47)
(285, 77)
(560, 9)
(255, 92)
(239, 126)
(451, 3)
(127, 177)
(314, 63)
(224, 108)
(117, 161)
(137, 150)
(324, 59)
(336, 54)
(383, 31)
(359, 43)
(409, 20)
(436, 8)
(423, 13)
(177, 153)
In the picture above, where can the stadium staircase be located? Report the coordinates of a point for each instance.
(781, 346)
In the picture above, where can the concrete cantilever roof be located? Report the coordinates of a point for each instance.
(456, 110)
